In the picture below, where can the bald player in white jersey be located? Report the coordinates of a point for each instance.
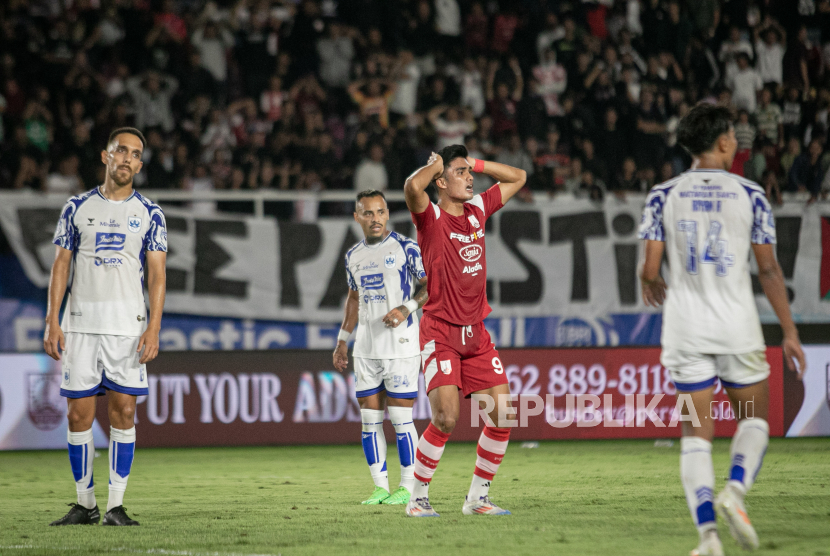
(708, 221)
(381, 271)
(112, 235)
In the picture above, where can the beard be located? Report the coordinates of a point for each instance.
(119, 180)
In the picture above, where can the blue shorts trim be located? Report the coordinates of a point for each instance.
(75, 394)
(101, 389)
(736, 385)
(110, 385)
(373, 391)
(695, 386)
(403, 395)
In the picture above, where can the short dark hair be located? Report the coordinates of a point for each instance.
(450, 153)
(700, 128)
(369, 193)
(131, 131)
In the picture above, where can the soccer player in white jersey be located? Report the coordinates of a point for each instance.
(707, 221)
(382, 271)
(111, 234)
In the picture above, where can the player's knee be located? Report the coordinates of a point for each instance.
(122, 417)
(78, 419)
(444, 421)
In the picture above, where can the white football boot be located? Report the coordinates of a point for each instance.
(730, 507)
(420, 507)
(482, 506)
(709, 545)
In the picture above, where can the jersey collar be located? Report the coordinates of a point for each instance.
(381, 242)
(98, 191)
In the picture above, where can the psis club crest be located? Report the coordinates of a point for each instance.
(389, 261)
(134, 224)
(46, 408)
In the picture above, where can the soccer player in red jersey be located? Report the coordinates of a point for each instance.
(456, 351)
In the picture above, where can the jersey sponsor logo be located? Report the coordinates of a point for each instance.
(134, 224)
(472, 269)
(76, 313)
(473, 220)
(374, 298)
(467, 239)
(111, 224)
(91, 222)
(371, 281)
(106, 241)
(109, 261)
(446, 367)
(369, 266)
(471, 253)
(389, 261)
(403, 340)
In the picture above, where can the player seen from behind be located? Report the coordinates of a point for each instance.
(381, 271)
(111, 234)
(707, 221)
(456, 350)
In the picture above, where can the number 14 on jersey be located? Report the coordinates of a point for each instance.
(714, 248)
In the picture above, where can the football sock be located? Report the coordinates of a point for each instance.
(748, 448)
(491, 447)
(430, 448)
(698, 478)
(407, 435)
(122, 451)
(81, 454)
(374, 446)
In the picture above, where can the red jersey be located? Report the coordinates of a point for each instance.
(452, 248)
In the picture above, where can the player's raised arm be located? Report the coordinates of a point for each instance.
(341, 351)
(772, 280)
(511, 180)
(157, 286)
(53, 339)
(415, 186)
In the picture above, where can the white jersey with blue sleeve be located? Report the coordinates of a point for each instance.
(108, 240)
(709, 219)
(385, 275)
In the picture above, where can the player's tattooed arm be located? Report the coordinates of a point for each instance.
(414, 188)
(53, 339)
(398, 315)
(350, 317)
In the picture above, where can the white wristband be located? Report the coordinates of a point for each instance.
(343, 336)
(412, 305)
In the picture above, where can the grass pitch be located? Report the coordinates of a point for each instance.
(569, 498)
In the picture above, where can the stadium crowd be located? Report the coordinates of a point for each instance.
(355, 94)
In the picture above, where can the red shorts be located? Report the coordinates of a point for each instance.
(461, 356)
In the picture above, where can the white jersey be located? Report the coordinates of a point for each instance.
(109, 240)
(385, 275)
(708, 220)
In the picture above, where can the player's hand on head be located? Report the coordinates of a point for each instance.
(794, 356)
(149, 342)
(395, 317)
(53, 341)
(437, 162)
(341, 357)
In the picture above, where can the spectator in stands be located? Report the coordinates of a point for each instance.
(336, 53)
(66, 179)
(371, 173)
(745, 84)
(806, 173)
(770, 39)
(744, 131)
(374, 102)
(451, 125)
(502, 104)
(730, 49)
(152, 94)
(769, 119)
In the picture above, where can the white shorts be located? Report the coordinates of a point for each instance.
(399, 377)
(94, 363)
(695, 371)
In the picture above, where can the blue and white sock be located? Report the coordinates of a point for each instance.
(748, 448)
(407, 435)
(122, 451)
(374, 446)
(81, 454)
(698, 476)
